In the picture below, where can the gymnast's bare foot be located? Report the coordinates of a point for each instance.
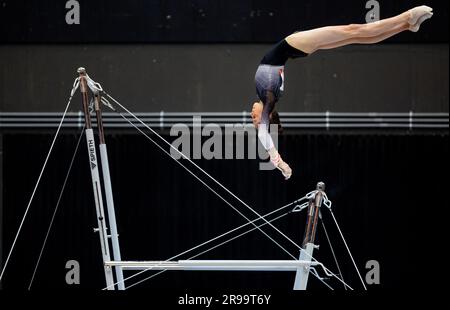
(418, 15)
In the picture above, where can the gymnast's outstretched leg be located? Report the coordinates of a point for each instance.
(336, 36)
(369, 40)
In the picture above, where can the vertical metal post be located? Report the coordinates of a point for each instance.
(302, 274)
(1, 204)
(96, 180)
(108, 193)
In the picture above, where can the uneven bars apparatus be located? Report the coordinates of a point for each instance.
(102, 225)
(308, 246)
(301, 266)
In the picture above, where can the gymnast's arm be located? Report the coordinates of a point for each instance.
(266, 139)
(263, 128)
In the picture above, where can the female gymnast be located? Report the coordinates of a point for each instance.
(269, 77)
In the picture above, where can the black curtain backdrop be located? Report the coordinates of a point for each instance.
(164, 21)
(386, 192)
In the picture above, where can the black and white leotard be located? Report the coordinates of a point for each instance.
(269, 80)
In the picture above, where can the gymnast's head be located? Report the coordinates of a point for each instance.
(256, 113)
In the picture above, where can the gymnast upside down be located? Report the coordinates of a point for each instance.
(269, 78)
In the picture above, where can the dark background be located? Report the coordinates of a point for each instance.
(388, 187)
(385, 190)
(201, 21)
(204, 57)
(220, 77)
